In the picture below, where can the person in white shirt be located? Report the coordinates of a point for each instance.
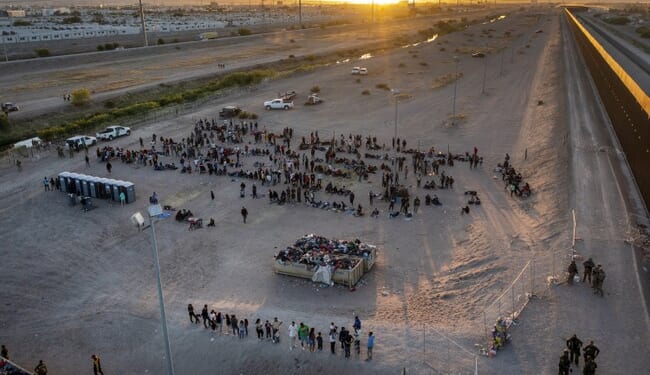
(293, 331)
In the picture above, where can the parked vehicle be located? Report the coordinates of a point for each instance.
(363, 71)
(356, 70)
(229, 111)
(208, 35)
(478, 54)
(9, 107)
(288, 96)
(313, 99)
(112, 132)
(80, 140)
(278, 104)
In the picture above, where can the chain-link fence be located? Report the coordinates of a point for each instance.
(502, 314)
(443, 355)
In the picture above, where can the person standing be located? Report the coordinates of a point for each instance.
(371, 345)
(40, 369)
(351, 198)
(46, 183)
(590, 350)
(190, 311)
(574, 344)
(4, 353)
(599, 278)
(205, 316)
(357, 324)
(87, 161)
(122, 198)
(416, 204)
(303, 334)
(573, 271)
(244, 213)
(293, 331)
(371, 196)
(212, 194)
(97, 364)
(109, 167)
(332, 338)
(312, 340)
(565, 363)
(589, 266)
(319, 341)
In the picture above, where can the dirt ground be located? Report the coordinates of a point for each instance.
(77, 283)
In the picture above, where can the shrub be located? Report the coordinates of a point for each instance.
(401, 65)
(291, 41)
(100, 47)
(22, 23)
(292, 56)
(254, 116)
(618, 20)
(111, 46)
(80, 97)
(161, 41)
(109, 104)
(358, 80)
(315, 89)
(42, 52)
(243, 31)
(424, 63)
(365, 92)
(71, 20)
(310, 58)
(4, 120)
(382, 86)
(643, 31)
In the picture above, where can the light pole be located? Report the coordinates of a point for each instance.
(395, 93)
(484, 73)
(144, 28)
(154, 210)
(453, 103)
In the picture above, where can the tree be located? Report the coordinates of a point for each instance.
(42, 52)
(80, 96)
(4, 120)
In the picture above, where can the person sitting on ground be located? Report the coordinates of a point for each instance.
(211, 223)
(375, 213)
(435, 201)
(464, 210)
(359, 211)
(393, 215)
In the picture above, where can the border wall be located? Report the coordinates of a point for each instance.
(627, 105)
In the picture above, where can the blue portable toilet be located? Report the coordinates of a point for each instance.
(92, 186)
(130, 192)
(63, 182)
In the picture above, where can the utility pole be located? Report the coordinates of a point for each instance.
(144, 28)
(453, 103)
(4, 47)
(484, 73)
(300, 12)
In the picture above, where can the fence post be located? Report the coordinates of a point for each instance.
(512, 296)
(487, 337)
(475, 365)
(424, 344)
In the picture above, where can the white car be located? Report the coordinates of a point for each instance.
(278, 104)
(113, 132)
(363, 71)
(81, 140)
(356, 70)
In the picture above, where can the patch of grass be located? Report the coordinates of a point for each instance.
(365, 92)
(401, 65)
(382, 86)
(424, 63)
(618, 20)
(42, 52)
(244, 31)
(80, 97)
(445, 79)
(358, 80)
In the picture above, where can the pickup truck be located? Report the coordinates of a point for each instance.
(278, 104)
(113, 132)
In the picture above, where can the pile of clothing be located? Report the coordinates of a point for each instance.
(316, 250)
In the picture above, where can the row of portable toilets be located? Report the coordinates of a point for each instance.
(96, 187)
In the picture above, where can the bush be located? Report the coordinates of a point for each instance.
(111, 46)
(315, 89)
(80, 96)
(243, 31)
(292, 56)
(358, 80)
(643, 31)
(382, 86)
(161, 41)
(4, 120)
(291, 41)
(424, 63)
(310, 58)
(71, 20)
(100, 47)
(22, 23)
(619, 20)
(365, 92)
(401, 65)
(42, 52)
(109, 104)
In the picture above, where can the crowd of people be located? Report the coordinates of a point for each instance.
(571, 356)
(309, 339)
(592, 273)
